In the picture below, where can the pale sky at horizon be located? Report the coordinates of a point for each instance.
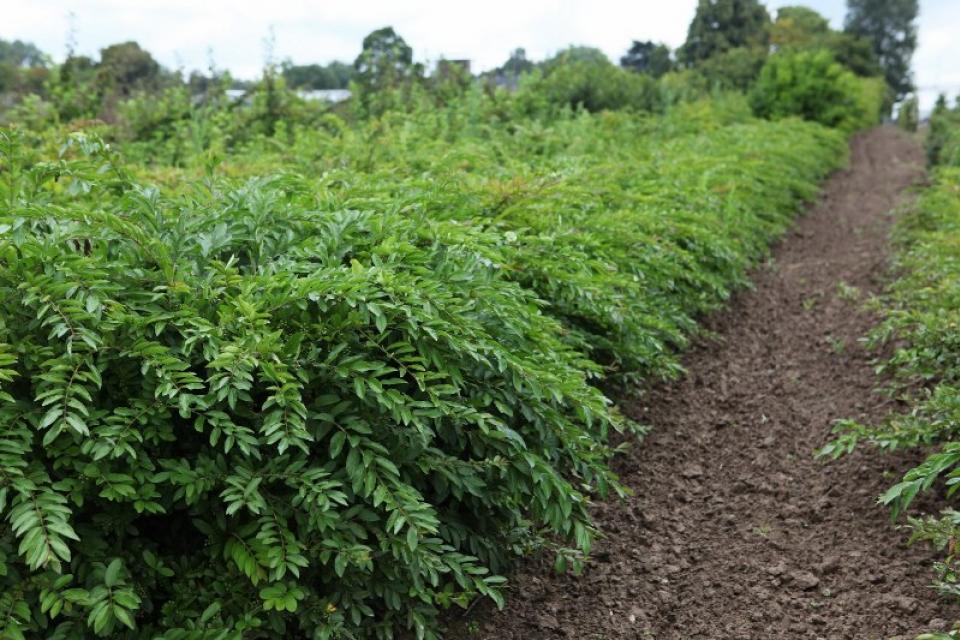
(186, 33)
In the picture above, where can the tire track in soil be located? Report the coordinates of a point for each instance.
(735, 530)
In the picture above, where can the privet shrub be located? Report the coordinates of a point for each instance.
(812, 85)
(235, 411)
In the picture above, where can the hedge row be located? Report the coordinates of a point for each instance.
(330, 403)
(628, 228)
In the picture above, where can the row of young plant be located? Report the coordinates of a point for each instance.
(921, 317)
(576, 204)
(331, 386)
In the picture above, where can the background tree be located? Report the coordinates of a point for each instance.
(798, 26)
(943, 134)
(908, 116)
(585, 78)
(803, 28)
(890, 25)
(73, 88)
(518, 63)
(940, 106)
(199, 83)
(734, 69)
(336, 75)
(721, 25)
(855, 53)
(508, 74)
(648, 57)
(21, 54)
(126, 67)
(575, 54)
(385, 61)
(23, 67)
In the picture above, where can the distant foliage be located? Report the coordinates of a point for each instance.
(890, 26)
(508, 74)
(517, 64)
(575, 54)
(125, 68)
(384, 67)
(74, 89)
(908, 115)
(336, 75)
(855, 53)
(735, 69)
(800, 27)
(648, 57)
(943, 136)
(812, 85)
(22, 54)
(594, 88)
(23, 68)
(721, 25)
(583, 79)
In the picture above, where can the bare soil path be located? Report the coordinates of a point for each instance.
(735, 530)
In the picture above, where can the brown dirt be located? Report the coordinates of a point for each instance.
(735, 530)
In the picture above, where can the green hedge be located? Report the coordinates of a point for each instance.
(347, 414)
(626, 232)
(337, 400)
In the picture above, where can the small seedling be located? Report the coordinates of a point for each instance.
(847, 292)
(838, 345)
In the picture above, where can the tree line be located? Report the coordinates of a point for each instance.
(727, 45)
(728, 40)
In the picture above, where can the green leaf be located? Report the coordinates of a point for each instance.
(111, 577)
(208, 613)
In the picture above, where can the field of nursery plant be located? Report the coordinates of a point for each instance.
(316, 390)
(547, 350)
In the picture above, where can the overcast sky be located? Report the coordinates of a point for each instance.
(189, 33)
